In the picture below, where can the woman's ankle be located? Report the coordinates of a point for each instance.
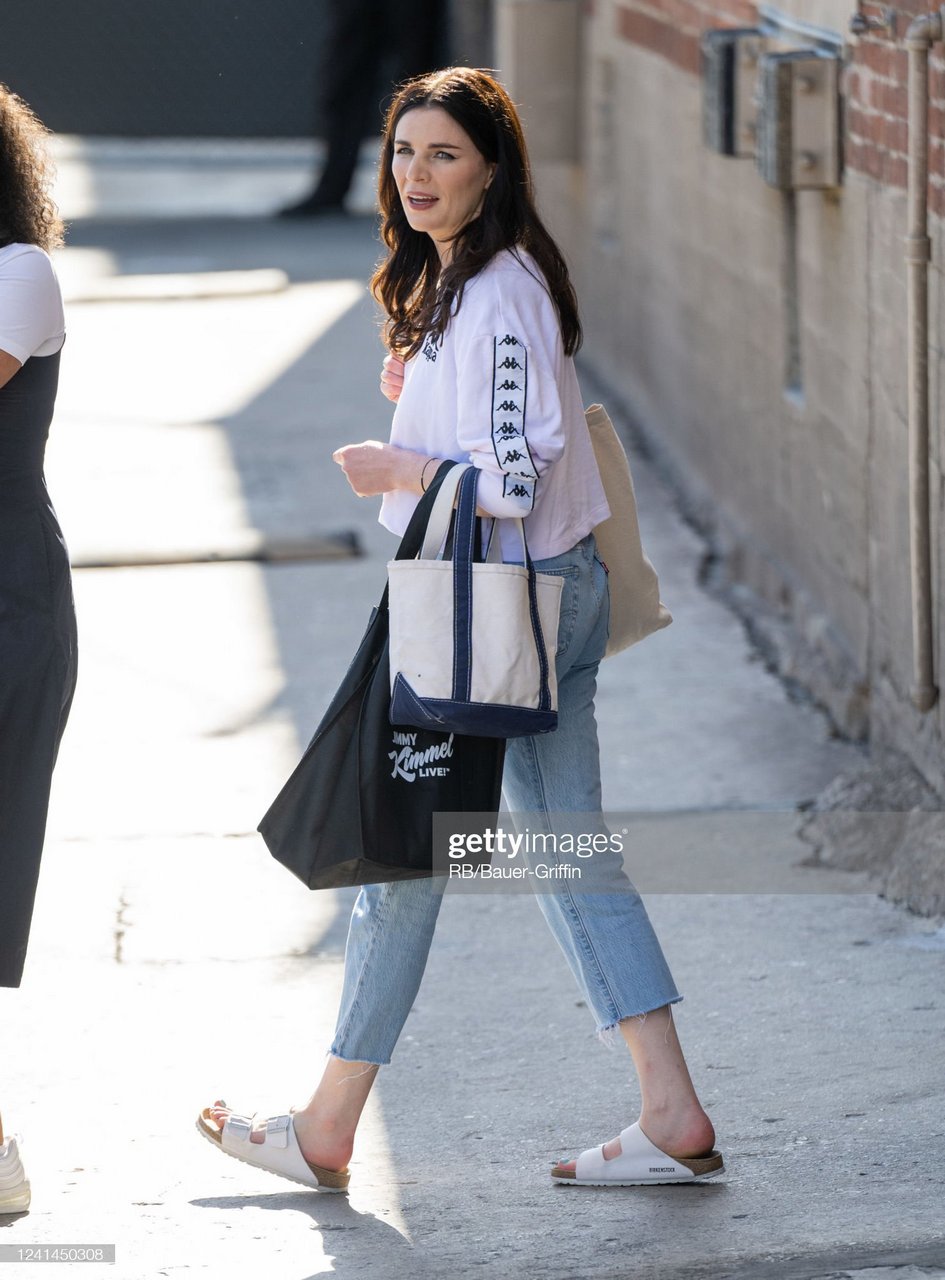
(334, 1126)
(680, 1130)
(328, 1142)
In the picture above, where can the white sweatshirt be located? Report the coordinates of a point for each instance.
(499, 392)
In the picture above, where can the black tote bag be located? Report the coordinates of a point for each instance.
(358, 808)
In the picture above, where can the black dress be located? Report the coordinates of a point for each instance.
(37, 648)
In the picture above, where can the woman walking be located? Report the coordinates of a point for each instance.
(37, 620)
(482, 327)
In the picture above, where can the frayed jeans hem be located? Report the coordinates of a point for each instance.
(608, 1034)
(366, 1062)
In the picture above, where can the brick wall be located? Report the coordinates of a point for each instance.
(672, 28)
(874, 87)
(877, 109)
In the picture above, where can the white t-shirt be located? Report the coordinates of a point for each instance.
(499, 392)
(31, 315)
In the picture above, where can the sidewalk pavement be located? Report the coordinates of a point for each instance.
(173, 961)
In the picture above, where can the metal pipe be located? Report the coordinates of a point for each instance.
(923, 32)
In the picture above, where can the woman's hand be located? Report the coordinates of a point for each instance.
(392, 377)
(372, 467)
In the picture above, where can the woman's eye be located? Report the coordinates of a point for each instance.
(402, 151)
(446, 154)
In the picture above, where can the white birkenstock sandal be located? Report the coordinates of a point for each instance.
(14, 1184)
(279, 1152)
(640, 1163)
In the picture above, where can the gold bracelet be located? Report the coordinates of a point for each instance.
(423, 487)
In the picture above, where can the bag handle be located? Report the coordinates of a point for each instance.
(412, 540)
(463, 555)
(442, 510)
(494, 545)
(440, 517)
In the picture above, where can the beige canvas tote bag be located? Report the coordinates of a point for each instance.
(472, 644)
(635, 607)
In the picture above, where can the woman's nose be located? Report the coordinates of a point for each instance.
(417, 169)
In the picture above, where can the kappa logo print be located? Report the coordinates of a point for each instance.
(508, 424)
(410, 764)
(429, 348)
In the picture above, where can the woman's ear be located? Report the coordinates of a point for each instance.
(492, 169)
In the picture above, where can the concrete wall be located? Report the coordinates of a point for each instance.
(693, 276)
(223, 68)
(217, 68)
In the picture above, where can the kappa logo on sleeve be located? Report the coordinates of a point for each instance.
(512, 454)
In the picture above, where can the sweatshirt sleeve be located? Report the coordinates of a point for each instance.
(30, 303)
(508, 405)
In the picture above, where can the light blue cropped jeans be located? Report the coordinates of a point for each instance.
(607, 937)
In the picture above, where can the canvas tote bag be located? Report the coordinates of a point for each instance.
(635, 607)
(472, 643)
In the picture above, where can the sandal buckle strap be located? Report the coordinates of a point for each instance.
(237, 1127)
(277, 1130)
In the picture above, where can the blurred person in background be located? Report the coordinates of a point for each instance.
(364, 34)
(37, 617)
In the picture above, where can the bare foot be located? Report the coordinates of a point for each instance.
(329, 1150)
(681, 1136)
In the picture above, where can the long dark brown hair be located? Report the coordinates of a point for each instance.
(408, 283)
(27, 212)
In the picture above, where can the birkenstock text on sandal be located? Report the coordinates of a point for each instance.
(279, 1152)
(640, 1163)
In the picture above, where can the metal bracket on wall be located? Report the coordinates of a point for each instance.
(799, 119)
(785, 32)
(729, 111)
(862, 24)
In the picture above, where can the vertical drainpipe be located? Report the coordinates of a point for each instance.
(923, 32)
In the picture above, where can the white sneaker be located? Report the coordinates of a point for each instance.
(14, 1184)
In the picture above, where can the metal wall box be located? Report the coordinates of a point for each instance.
(729, 64)
(799, 119)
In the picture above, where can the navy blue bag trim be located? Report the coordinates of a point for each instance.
(463, 549)
(544, 695)
(474, 719)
